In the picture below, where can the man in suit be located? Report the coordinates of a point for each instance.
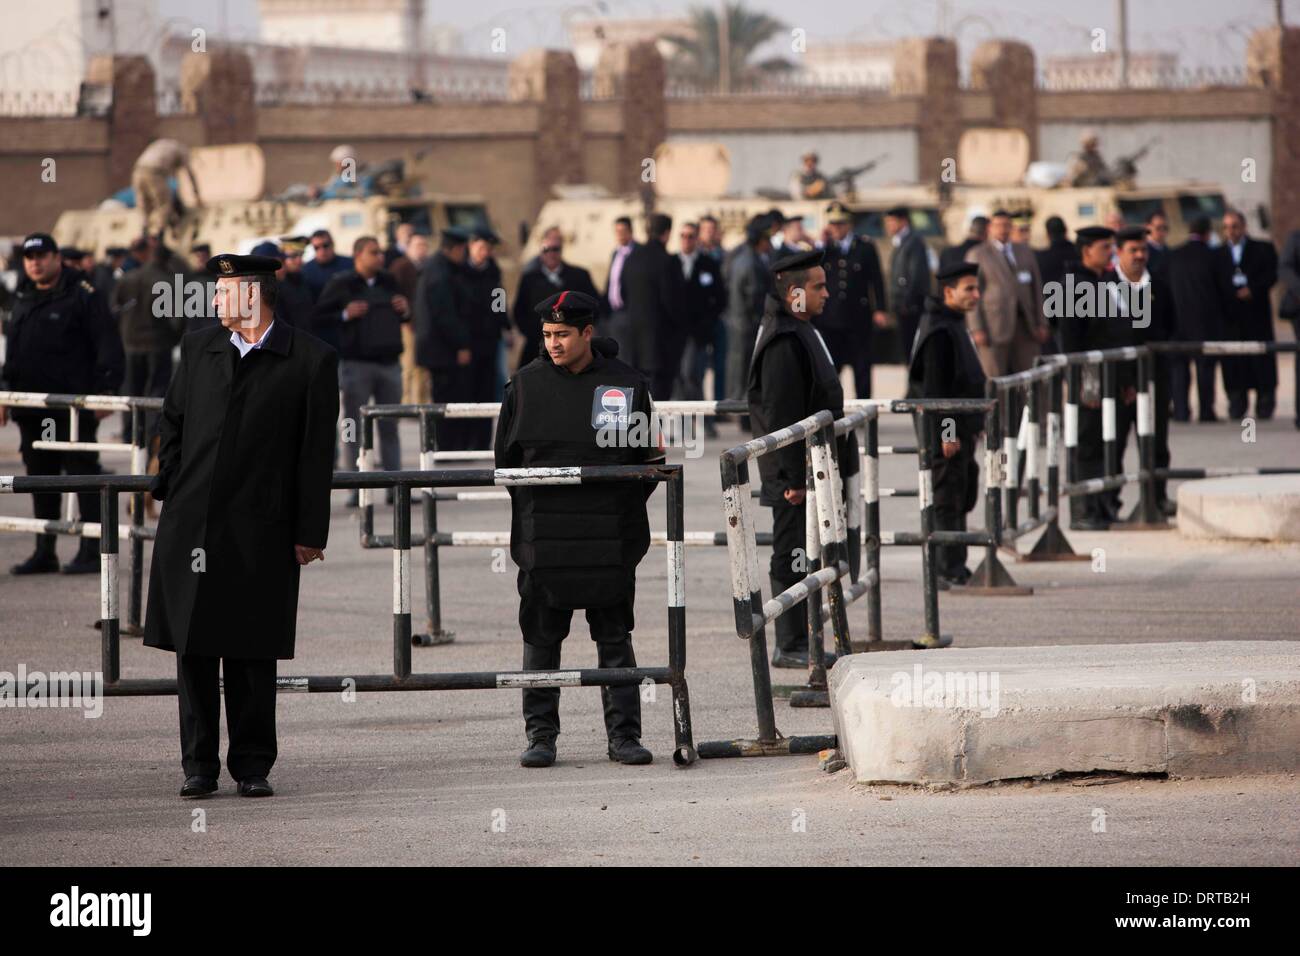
(1158, 244)
(1289, 272)
(704, 296)
(1054, 262)
(856, 289)
(1007, 323)
(748, 281)
(443, 333)
(652, 294)
(1247, 270)
(552, 275)
(244, 470)
(979, 232)
(1198, 309)
(618, 326)
(909, 276)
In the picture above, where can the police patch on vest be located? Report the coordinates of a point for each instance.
(610, 406)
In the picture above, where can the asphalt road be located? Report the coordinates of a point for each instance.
(433, 777)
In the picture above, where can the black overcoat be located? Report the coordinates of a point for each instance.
(245, 468)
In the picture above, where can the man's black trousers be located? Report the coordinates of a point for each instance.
(250, 715)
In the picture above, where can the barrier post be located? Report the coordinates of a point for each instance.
(684, 753)
(402, 582)
(871, 525)
(925, 495)
(1147, 515)
(364, 462)
(110, 646)
(991, 577)
(139, 466)
(813, 551)
(1033, 397)
(434, 633)
(830, 521)
(1109, 444)
(1052, 545)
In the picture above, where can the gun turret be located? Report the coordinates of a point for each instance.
(1123, 172)
(843, 181)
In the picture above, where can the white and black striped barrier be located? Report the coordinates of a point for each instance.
(684, 754)
(138, 448)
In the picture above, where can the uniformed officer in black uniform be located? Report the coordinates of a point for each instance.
(61, 337)
(857, 292)
(578, 546)
(244, 473)
(1103, 330)
(945, 365)
(792, 376)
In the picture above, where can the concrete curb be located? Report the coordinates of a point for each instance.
(1255, 508)
(974, 715)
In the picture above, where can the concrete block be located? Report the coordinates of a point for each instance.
(1251, 507)
(974, 715)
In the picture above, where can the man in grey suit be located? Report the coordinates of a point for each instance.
(1007, 324)
(909, 276)
(748, 283)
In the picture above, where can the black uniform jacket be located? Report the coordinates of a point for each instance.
(373, 337)
(579, 544)
(791, 376)
(442, 322)
(1102, 327)
(944, 364)
(244, 468)
(485, 323)
(856, 287)
(61, 339)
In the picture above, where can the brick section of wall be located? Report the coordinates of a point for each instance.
(218, 87)
(1273, 62)
(812, 112)
(550, 79)
(634, 75)
(133, 119)
(926, 68)
(1005, 70)
(1139, 105)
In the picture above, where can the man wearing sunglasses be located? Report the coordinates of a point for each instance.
(325, 263)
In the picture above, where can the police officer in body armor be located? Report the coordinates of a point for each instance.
(60, 337)
(945, 364)
(577, 546)
(792, 376)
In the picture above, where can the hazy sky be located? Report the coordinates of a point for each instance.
(1202, 32)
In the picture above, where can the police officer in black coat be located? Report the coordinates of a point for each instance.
(1090, 322)
(486, 302)
(578, 546)
(60, 337)
(945, 364)
(792, 376)
(244, 471)
(857, 292)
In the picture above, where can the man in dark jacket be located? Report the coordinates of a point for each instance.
(652, 290)
(551, 276)
(1289, 273)
(791, 377)
(944, 364)
(151, 318)
(857, 295)
(704, 296)
(1198, 306)
(485, 299)
(978, 233)
(60, 337)
(1054, 262)
(909, 276)
(443, 336)
(370, 308)
(578, 546)
(1095, 326)
(244, 471)
(1247, 270)
(296, 304)
(326, 263)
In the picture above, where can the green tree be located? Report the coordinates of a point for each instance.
(698, 58)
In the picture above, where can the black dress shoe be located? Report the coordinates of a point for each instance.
(793, 659)
(540, 753)
(42, 562)
(255, 787)
(629, 751)
(86, 561)
(1089, 524)
(197, 786)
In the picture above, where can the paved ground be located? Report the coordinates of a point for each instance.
(433, 778)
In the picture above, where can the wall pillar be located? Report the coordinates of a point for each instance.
(1273, 61)
(634, 75)
(549, 78)
(133, 118)
(218, 87)
(926, 67)
(1005, 69)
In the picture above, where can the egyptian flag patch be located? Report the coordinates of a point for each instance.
(610, 406)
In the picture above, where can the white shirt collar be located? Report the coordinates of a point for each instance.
(901, 235)
(244, 346)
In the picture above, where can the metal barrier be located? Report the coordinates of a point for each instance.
(402, 679)
(135, 532)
